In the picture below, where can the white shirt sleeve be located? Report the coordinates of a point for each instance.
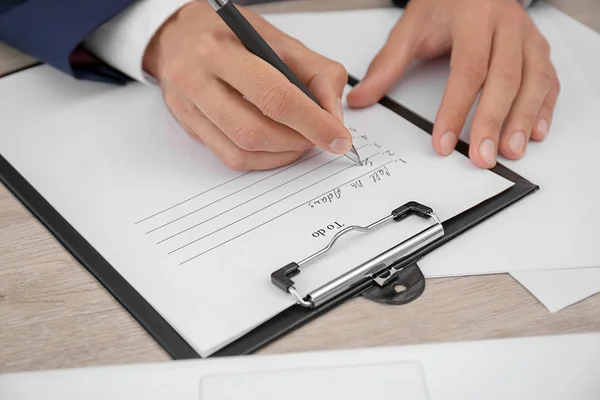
(122, 41)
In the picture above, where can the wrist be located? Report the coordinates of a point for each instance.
(159, 44)
(151, 59)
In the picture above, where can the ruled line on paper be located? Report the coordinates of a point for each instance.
(231, 194)
(276, 217)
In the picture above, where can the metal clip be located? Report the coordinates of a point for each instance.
(380, 269)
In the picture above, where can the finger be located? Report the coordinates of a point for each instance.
(176, 108)
(499, 92)
(283, 102)
(190, 132)
(328, 87)
(388, 65)
(244, 124)
(538, 76)
(469, 62)
(326, 79)
(224, 149)
(544, 118)
(234, 157)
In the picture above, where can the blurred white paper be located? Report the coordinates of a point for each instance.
(558, 289)
(403, 380)
(535, 368)
(556, 227)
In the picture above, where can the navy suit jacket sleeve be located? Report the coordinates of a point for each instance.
(52, 31)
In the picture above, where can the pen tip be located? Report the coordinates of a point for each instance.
(353, 155)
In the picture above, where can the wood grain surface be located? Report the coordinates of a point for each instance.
(11, 59)
(53, 314)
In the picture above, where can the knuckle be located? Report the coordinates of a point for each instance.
(524, 118)
(475, 72)
(520, 18)
(557, 84)
(485, 10)
(178, 75)
(178, 108)
(510, 79)
(175, 72)
(544, 45)
(430, 44)
(547, 77)
(208, 46)
(491, 123)
(276, 103)
(247, 138)
(338, 71)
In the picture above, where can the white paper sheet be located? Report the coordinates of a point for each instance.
(556, 228)
(186, 231)
(404, 379)
(558, 289)
(548, 368)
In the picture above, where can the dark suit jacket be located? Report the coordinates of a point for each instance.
(52, 31)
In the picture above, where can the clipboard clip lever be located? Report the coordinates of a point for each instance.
(381, 269)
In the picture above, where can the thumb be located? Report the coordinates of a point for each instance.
(387, 66)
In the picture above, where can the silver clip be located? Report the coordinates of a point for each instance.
(380, 269)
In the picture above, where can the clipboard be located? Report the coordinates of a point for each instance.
(392, 278)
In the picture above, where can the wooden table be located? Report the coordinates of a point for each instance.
(53, 314)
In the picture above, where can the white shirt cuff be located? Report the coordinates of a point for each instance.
(122, 41)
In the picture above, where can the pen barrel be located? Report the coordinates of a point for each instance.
(257, 45)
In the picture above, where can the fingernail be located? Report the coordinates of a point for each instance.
(542, 127)
(447, 143)
(516, 142)
(357, 85)
(340, 146)
(487, 150)
(340, 111)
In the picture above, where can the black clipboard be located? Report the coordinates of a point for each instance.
(408, 273)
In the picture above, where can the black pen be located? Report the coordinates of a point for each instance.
(259, 47)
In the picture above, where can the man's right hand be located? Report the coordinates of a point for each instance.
(244, 110)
